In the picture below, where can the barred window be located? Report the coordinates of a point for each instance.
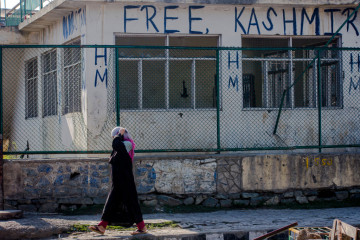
(31, 88)
(267, 73)
(159, 78)
(49, 83)
(72, 79)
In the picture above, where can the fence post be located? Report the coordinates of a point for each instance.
(21, 11)
(2, 198)
(319, 97)
(218, 101)
(117, 87)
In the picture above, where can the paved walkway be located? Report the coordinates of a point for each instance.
(231, 224)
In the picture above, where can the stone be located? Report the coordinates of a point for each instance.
(30, 172)
(28, 208)
(288, 194)
(63, 208)
(312, 198)
(210, 202)
(225, 203)
(329, 199)
(43, 182)
(99, 200)
(59, 180)
(311, 193)
(287, 200)
(355, 196)
(199, 199)
(150, 197)
(11, 202)
(249, 195)
(241, 202)
(24, 201)
(168, 201)
(142, 197)
(10, 207)
(234, 195)
(273, 201)
(189, 201)
(75, 201)
(221, 197)
(150, 203)
(301, 199)
(298, 194)
(341, 195)
(256, 201)
(46, 168)
(355, 190)
(72, 207)
(94, 182)
(48, 207)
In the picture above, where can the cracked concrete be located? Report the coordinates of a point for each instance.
(246, 223)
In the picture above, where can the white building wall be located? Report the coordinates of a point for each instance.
(99, 22)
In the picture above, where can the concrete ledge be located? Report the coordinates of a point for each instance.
(10, 214)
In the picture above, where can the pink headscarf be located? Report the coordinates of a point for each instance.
(132, 151)
(127, 137)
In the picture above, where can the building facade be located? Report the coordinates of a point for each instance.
(64, 99)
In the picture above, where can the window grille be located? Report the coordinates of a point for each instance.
(49, 69)
(31, 88)
(72, 79)
(167, 78)
(275, 70)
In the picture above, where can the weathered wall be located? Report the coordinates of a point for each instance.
(11, 35)
(98, 23)
(211, 180)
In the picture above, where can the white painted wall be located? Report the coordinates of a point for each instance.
(99, 22)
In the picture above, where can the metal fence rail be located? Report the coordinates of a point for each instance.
(66, 98)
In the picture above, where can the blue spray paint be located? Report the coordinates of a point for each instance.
(169, 18)
(234, 83)
(150, 19)
(237, 20)
(353, 85)
(331, 11)
(350, 21)
(104, 77)
(125, 13)
(73, 21)
(293, 21)
(314, 17)
(352, 62)
(233, 61)
(253, 15)
(191, 19)
(269, 19)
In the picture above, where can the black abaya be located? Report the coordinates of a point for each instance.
(122, 206)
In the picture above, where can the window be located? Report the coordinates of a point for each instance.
(31, 91)
(159, 78)
(72, 79)
(49, 83)
(267, 73)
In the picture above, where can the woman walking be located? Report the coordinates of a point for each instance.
(122, 206)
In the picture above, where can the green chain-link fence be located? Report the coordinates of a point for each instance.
(66, 99)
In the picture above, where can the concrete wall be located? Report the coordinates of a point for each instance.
(211, 180)
(11, 35)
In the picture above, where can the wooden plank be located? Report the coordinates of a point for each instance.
(341, 228)
(277, 231)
